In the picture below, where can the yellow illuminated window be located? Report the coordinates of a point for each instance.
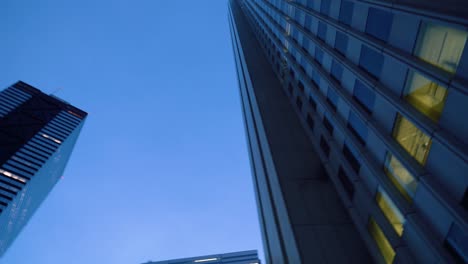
(405, 182)
(386, 249)
(412, 139)
(391, 211)
(441, 46)
(425, 95)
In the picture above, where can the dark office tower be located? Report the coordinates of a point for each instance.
(37, 135)
(359, 107)
(243, 257)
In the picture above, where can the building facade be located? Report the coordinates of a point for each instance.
(243, 257)
(37, 136)
(355, 114)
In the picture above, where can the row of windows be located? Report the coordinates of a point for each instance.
(10, 99)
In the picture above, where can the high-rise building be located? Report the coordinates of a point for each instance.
(37, 136)
(355, 114)
(242, 257)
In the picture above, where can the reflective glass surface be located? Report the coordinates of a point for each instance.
(390, 210)
(386, 249)
(322, 31)
(358, 127)
(371, 61)
(341, 42)
(346, 12)
(405, 182)
(425, 95)
(412, 139)
(441, 46)
(379, 23)
(364, 96)
(336, 71)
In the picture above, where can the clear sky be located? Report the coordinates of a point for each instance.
(161, 168)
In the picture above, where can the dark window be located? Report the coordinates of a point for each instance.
(299, 103)
(324, 146)
(336, 71)
(341, 43)
(464, 201)
(379, 23)
(325, 7)
(312, 103)
(290, 88)
(322, 31)
(358, 128)
(371, 61)
(301, 86)
(316, 78)
(305, 44)
(457, 244)
(318, 55)
(346, 182)
(351, 158)
(308, 23)
(346, 12)
(291, 72)
(332, 98)
(310, 121)
(328, 125)
(364, 96)
(310, 3)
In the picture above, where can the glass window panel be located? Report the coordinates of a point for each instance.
(358, 127)
(332, 98)
(308, 23)
(441, 46)
(379, 23)
(457, 242)
(346, 12)
(336, 71)
(325, 7)
(390, 210)
(318, 55)
(364, 96)
(322, 31)
(386, 249)
(346, 182)
(425, 95)
(405, 182)
(371, 61)
(412, 139)
(341, 43)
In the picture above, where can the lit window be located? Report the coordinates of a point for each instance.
(441, 46)
(205, 260)
(412, 139)
(52, 138)
(425, 95)
(391, 211)
(386, 249)
(13, 176)
(405, 182)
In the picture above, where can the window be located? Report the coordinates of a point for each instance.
(403, 180)
(316, 78)
(301, 86)
(308, 23)
(341, 43)
(332, 98)
(312, 103)
(386, 249)
(379, 23)
(290, 88)
(390, 210)
(322, 31)
(425, 95)
(299, 103)
(412, 139)
(318, 55)
(457, 243)
(371, 61)
(358, 128)
(441, 46)
(346, 182)
(351, 158)
(310, 3)
(464, 201)
(336, 71)
(346, 12)
(328, 125)
(325, 7)
(305, 44)
(310, 121)
(324, 146)
(364, 96)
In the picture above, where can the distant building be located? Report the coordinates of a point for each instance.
(243, 257)
(37, 136)
(356, 114)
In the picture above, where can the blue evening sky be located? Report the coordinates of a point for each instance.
(161, 167)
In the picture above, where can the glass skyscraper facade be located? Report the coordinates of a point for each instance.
(242, 257)
(356, 109)
(37, 136)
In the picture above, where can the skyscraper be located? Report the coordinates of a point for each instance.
(242, 257)
(37, 136)
(355, 118)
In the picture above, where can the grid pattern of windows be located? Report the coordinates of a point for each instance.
(420, 87)
(10, 99)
